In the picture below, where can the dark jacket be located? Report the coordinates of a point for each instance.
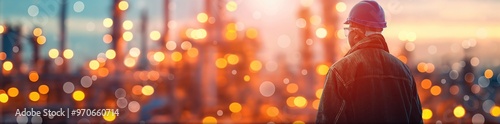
(369, 85)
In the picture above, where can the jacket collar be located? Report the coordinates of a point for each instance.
(372, 41)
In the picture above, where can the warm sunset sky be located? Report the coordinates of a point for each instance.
(432, 22)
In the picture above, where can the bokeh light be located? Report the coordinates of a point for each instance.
(426, 114)
(68, 53)
(123, 5)
(13, 92)
(235, 107)
(488, 73)
(322, 69)
(53, 53)
(109, 116)
(78, 95)
(107, 22)
(209, 120)
(272, 111)
(4, 98)
(267, 88)
(7, 65)
(292, 88)
(33, 76)
(94, 64)
(202, 17)
(43, 89)
(154, 35)
(231, 6)
(459, 111)
(34, 96)
(300, 101)
(148, 90)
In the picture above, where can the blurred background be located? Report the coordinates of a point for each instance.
(233, 61)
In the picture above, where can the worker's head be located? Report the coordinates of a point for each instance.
(366, 18)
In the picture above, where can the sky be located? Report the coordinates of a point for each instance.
(442, 23)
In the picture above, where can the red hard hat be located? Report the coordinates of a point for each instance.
(367, 13)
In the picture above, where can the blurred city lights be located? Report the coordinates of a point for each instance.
(159, 56)
(37, 32)
(255, 65)
(202, 17)
(127, 25)
(272, 111)
(129, 62)
(290, 101)
(435, 90)
(459, 111)
(110, 54)
(109, 116)
(43, 89)
(322, 69)
(300, 101)
(321, 33)
(171, 45)
(176, 56)
(154, 35)
(134, 106)
(488, 73)
(495, 111)
(426, 83)
(33, 76)
(53, 53)
(340, 6)
(107, 38)
(94, 64)
(13, 92)
(209, 120)
(2, 29)
(235, 107)
(319, 92)
(7, 65)
(41, 40)
(315, 20)
(4, 98)
(252, 33)
(267, 88)
(34, 96)
(193, 52)
(231, 6)
(221, 63)
(232, 59)
(426, 114)
(186, 45)
(292, 88)
(68, 53)
(127, 36)
(123, 5)
(134, 52)
(107, 22)
(78, 95)
(148, 90)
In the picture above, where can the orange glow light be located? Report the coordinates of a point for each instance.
(33, 76)
(43, 89)
(41, 40)
(426, 83)
(292, 88)
(322, 69)
(13, 92)
(488, 73)
(435, 90)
